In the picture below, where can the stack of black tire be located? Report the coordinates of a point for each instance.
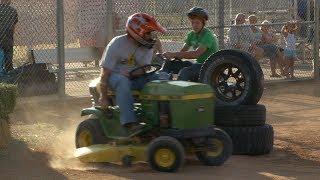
(237, 81)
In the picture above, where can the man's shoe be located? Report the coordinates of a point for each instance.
(134, 126)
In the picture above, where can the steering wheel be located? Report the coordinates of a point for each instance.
(153, 69)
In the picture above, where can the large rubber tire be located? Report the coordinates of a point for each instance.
(221, 145)
(235, 76)
(256, 140)
(165, 154)
(89, 132)
(240, 115)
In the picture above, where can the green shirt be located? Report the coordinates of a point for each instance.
(206, 38)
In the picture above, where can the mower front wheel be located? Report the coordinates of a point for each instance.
(89, 133)
(165, 154)
(218, 148)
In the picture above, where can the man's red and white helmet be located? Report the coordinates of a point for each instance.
(140, 23)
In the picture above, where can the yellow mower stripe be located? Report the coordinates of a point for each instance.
(110, 153)
(112, 93)
(177, 97)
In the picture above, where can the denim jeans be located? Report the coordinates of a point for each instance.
(190, 73)
(123, 87)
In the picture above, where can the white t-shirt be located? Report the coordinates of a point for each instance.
(123, 54)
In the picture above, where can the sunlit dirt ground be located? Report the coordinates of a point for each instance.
(43, 142)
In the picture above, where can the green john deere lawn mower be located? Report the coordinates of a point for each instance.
(178, 119)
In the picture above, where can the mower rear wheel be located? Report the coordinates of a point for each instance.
(218, 149)
(89, 132)
(165, 154)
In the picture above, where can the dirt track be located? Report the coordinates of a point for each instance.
(44, 141)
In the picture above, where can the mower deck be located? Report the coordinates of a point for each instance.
(110, 153)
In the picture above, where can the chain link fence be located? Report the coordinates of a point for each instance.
(87, 28)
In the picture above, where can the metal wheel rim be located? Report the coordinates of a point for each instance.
(85, 139)
(229, 82)
(165, 157)
(218, 148)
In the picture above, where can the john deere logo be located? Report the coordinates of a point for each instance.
(201, 109)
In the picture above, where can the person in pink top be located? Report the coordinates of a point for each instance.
(290, 52)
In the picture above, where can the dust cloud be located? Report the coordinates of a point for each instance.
(50, 126)
(62, 151)
(63, 147)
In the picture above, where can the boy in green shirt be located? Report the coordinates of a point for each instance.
(203, 42)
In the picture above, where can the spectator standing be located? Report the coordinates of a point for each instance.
(8, 20)
(268, 43)
(290, 53)
(303, 9)
(257, 35)
(265, 40)
(268, 37)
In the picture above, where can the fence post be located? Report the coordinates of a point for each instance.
(60, 48)
(109, 20)
(316, 40)
(221, 24)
